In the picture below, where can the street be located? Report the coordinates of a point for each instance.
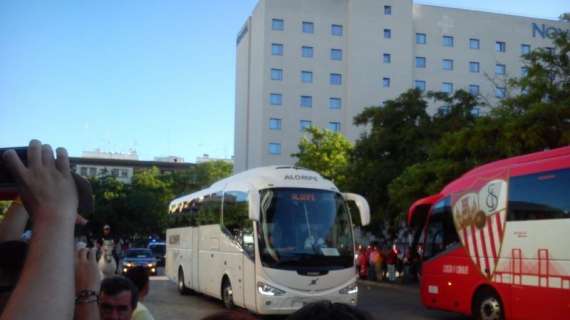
(382, 300)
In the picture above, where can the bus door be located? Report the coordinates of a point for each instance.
(239, 247)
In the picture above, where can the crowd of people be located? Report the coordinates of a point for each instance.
(48, 274)
(390, 257)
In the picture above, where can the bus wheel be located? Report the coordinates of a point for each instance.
(488, 306)
(181, 285)
(227, 294)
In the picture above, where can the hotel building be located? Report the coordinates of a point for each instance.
(321, 62)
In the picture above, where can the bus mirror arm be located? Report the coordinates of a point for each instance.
(362, 206)
(253, 199)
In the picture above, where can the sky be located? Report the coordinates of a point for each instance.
(153, 76)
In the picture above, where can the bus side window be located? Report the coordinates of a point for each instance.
(235, 220)
(539, 196)
(209, 209)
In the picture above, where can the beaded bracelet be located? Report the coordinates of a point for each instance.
(86, 296)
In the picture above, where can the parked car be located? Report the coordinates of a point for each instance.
(158, 251)
(140, 257)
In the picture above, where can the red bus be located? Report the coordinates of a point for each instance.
(495, 243)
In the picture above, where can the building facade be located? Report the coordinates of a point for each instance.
(321, 62)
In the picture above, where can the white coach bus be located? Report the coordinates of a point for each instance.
(269, 240)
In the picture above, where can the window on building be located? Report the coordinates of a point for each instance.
(124, 173)
(525, 48)
(447, 64)
(335, 103)
(277, 49)
(420, 85)
(387, 10)
(443, 110)
(447, 87)
(336, 54)
(474, 89)
(277, 24)
(83, 171)
(387, 58)
(500, 46)
(420, 62)
(334, 126)
(306, 76)
(276, 74)
(336, 30)
(386, 82)
(550, 50)
(305, 124)
(524, 71)
(275, 124)
(474, 66)
(387, 33)
(307, 52)
(306, 101)
(92, 172)
(500, 92)
(500, 69)
(274, 148)
(335, 79)
(447, 41)
(115, 172)
(275, 99)
(473, 43)
(421, 38)
(476, 112)
(308, 27)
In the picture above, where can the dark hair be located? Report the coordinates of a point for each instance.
(12, 257)
(116, 284)
(329, 311)
(139, 276)
(230, 315)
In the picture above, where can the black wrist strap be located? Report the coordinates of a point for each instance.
(86, 296)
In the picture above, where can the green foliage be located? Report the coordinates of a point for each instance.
(141, 208)
(326, 152)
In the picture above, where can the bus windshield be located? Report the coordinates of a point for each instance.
(305, 228)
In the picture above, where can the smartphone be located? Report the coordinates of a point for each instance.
(8, 188)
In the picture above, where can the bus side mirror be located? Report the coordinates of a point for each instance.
(362, 206)
(253, 199)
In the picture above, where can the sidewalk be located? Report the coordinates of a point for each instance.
(412, 287)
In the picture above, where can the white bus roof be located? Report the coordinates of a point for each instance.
(263, 178)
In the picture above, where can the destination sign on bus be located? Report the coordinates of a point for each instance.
(307, 197)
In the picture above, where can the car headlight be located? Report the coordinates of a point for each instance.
(129, 264)
(350, 289)
(151, 265)
(268, 290)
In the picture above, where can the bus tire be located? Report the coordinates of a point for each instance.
(227, 293)
(487, 305)
(182, 288)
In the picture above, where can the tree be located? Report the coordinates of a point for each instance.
(200, 176)
(537, 117)
(326, 152)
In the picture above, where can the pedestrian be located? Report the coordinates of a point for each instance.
(363, 263)
(373, 260)
(391, 262)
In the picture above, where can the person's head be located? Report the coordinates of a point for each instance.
(139, 277)
(118, 298)
(325, 310)
(106, 229)
(12, 258)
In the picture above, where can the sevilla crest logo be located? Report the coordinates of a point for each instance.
(479, 217)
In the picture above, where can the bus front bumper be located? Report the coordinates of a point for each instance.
(290, 302)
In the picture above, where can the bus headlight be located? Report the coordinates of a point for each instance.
(350, 289)
(268, 290)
